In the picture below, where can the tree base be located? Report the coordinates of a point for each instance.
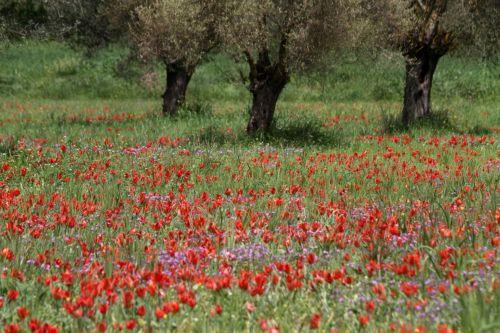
(178, 78)
(419, 74)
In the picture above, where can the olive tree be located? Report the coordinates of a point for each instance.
(277, 38)
(179, 33)
(423, 43)
(424, 31)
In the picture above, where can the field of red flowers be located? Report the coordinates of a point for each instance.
(113, 220)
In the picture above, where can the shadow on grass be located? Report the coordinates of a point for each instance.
(215, 136)
(196, 109)
(438, 120)
(478, 130)
(305, 132)
(8, 146)
(286, 133)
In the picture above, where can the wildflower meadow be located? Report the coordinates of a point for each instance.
(115, 218)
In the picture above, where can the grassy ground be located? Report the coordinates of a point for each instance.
(338, 218)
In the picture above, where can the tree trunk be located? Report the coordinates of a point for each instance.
(178, 77)
(264, 102)
(266, 84)
(420, 70)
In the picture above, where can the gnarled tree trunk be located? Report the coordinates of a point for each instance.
(266, 84)
(422, 48)
(264, 102)
(178, 77)
(420, 70)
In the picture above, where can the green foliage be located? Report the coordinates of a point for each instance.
(173, 31)
(466, 27)
(83, 23)
(295, 35)
(21, 18)
(480, 312)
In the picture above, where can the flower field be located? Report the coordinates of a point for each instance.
(115, 220)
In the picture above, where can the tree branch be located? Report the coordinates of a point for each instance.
(282, 55)
(421, 5)
(251, 62)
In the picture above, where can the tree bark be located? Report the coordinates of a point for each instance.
(178, 77)
(264, 103)
(420, 70)
(267, 81)
(422, 49)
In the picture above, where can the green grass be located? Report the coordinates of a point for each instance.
(52, 71)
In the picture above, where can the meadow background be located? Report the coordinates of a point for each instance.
(465, 93)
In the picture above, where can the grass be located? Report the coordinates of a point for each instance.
(48, 70)
(107, 207)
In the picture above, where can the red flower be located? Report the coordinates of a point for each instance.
(128, 298)
(363, 320)
(67, 278)
(49, 328)
(263, 324)
(409, 288)
(12, 294)
(11, 328)
(311, 258)
(159, 313)
(370, 306)
(22, 312)
(101, 327)
(130, 324)
(315, 321)
(442, 328)
(34, 324)
(250, 307)
(216, 310)
(141, 310)
(171, 307)
(103, 308)
(7, 254)
(420, 329)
